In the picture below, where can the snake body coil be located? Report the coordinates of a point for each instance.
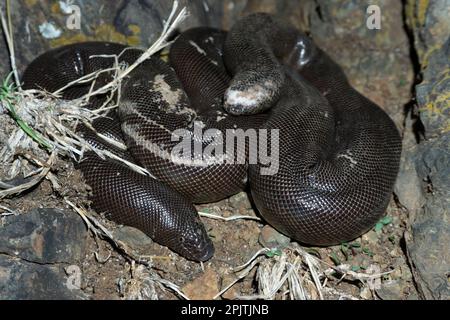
(338, 153)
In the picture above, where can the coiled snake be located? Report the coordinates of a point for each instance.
(337, 153)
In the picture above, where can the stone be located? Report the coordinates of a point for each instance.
(205, 287)
(136, 23)
(371, 237)
(409, 187)
(23, 280)
(44, 236)
(428, 244)
(232, 293)
(366, 293)
(240, 201)
(134, 239)
(271, 238)
(430, 250)
(391, 290)
(35, 250)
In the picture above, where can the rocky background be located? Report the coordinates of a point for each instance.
(404, 67)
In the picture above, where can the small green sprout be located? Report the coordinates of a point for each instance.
(7, 90)
(273, 252)
(356, 268)
(368, 252)
(334, 258)
(383, 222)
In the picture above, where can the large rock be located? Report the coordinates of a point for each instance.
(429, 243)
(40, 254)
(44, 236)
(134, 22)
(24, 280)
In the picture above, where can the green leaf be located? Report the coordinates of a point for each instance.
(344, 250)
(355, 244)
(386, 220)
(378, 227)
(355, 268)
(335, 258)
(368, 252)
(273, 252)
(314, 252)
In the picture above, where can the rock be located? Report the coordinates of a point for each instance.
(24, 280)
(35, 250)
(391, 290)
(432, 94)
(428, 246)
(382, 56)
(241, 202)
(371, 237)
(204, 287)
(130, 22)
(430, 250)
(231, 293)
(44, 236)
(134, 239)
(366, 293)
(149, 15)
(409, 187)
(271, 238)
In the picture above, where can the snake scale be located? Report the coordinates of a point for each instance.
(338, 152)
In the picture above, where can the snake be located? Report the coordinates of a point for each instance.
(335, 153)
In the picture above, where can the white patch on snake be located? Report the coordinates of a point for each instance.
(349, 157)
(200, 50)
(132, 108)
(220, 116)
(132, 130)
(172, 97)
(251, 96)
(209, 40)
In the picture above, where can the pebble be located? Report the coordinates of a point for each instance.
(241, 202)
(370, 237)
(391, 290)
(205, 287)
(366, 293)
(271, 238)
(135, 239)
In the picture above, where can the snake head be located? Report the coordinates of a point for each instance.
(303, 52)
(192, 241)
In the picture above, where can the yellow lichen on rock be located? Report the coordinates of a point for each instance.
(104, 32)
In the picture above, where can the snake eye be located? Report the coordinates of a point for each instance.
(181, 239)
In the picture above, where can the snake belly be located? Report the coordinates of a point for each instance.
(338, 152)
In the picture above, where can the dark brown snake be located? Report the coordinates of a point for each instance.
(338, 152)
